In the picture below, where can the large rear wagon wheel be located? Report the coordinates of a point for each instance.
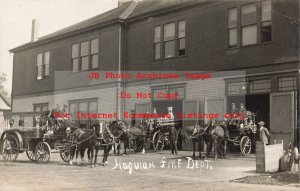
(245, 145)
(42, 152)
(10, 148)
(158, 141)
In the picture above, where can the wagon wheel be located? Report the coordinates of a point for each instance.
(42, 152)
(31, 155)
(65, 154)
(10, 148)
(137, 145)
(158, 141)
(245, 145)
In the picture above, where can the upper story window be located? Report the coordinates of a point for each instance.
(251, 26)
(85, 56)
(232, 27)
(157, 42)
(42, 65)
(248, 24)
(266, 21)
(181, 38)
(169, 40)
(173, 37)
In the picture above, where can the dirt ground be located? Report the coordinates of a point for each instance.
(150, 172)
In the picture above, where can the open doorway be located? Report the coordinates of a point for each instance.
(257, 103)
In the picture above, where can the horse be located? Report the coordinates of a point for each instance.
(135, 135)
(111, 133)
(218, 135)
(198, 136)
(213, 135)
(82, 139)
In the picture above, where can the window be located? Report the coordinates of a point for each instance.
(266, 21)
(181, 38)
(260, 86)
(84, 107)
(157, 92)
(42, 65)
(39, 108)
(168, 37)
(232, 27)
(248, 24)
(237, 88)
(169, 43)
(251, 27)
(157, 42)
(94, 53)
(85, 56)
(75, 59)
(287, 84)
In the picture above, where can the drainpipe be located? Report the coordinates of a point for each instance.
(119, 80)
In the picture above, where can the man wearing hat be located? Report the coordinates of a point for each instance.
(264, 134)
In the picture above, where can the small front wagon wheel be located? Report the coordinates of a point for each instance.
(65, 154)
(10, 148)
(245, 145)
(42, 152)
(31, 155)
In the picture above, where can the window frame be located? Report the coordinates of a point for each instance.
(42, 65)
(89, 55)
(248, 25)
(232, 28)
(266, 21)
(258, 24)
(181, 38)
(86, 122)
(162, 43)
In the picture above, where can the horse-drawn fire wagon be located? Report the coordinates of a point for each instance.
(162, 136)
(242, 133)
(36, 141)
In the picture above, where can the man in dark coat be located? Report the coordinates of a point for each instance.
(174, 138)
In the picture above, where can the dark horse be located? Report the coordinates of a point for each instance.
(213, 135)
(101, 134)
(136, 135)
(82, 139)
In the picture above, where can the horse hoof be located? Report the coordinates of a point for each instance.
(92, 166)
(70, 163)
(95, 165)
(215, 158)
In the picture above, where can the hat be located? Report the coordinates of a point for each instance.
(170, 108)
(261, 123)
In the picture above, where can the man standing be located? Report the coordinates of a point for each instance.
(264, 134)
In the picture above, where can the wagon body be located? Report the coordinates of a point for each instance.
(162, 135)
(242, 133)
(37, 142)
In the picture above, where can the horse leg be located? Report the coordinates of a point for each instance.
(119, 147)
(194, 149)
(82, 150)
(126, 145)
(96, 155)
(199, 148)
(143, 150)
(216, 148)
(72, 154)
(92, 156)
(208, 147)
